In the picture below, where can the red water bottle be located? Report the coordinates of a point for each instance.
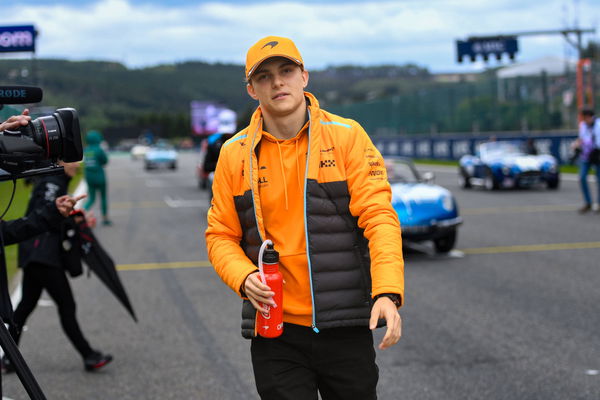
(270, 324)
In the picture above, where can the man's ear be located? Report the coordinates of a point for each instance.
(251, 91)
(305, 77)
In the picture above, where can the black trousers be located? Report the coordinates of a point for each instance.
(339, 363)
(37, 277)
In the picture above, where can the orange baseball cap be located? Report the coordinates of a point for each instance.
(271, 46)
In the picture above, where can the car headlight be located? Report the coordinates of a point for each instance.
(447, 203)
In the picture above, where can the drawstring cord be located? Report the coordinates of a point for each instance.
(298, 168)
(283, 174)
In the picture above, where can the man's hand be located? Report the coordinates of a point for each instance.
(90, 219)
(385, 308)
(65, 203)
(16, 121)
(258, 293)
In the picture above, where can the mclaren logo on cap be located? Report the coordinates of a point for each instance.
(272, 44)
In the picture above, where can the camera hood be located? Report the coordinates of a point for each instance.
(72, 148)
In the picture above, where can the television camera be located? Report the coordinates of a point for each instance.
(35, 149)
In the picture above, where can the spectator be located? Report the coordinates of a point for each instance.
(530, 147)
(589, 145)
(95, 159)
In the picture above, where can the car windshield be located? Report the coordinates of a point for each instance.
(400, 172)
(496, 149)
(163, 146)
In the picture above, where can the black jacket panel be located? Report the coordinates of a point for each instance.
(251, 240)
(339, 257)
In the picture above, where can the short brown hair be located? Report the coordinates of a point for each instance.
(587, 112)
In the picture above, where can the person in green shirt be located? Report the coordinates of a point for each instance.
(95, 159)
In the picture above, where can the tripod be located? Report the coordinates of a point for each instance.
(6, 341)
(23, 372)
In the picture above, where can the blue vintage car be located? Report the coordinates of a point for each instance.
(426, 211)
(161, 155)
(504, 164)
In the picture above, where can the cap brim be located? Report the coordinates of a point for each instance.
(257, 64)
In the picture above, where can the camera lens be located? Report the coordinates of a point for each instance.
(46, 133)
(59, 135)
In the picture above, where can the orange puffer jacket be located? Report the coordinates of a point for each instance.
(353, 240)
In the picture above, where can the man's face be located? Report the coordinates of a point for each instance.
(588, 119)
(278, 84)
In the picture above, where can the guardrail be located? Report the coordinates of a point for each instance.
(453, 147)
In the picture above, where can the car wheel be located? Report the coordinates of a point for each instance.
(553, 184)
(489, 181)
(173, 166)
(464, 180)
(445, 243)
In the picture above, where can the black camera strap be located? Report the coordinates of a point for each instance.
(6, 310)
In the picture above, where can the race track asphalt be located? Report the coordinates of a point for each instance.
(512, 313)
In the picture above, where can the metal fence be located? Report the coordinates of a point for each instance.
(452, 147)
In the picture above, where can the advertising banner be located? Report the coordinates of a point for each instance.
(208, 118)
(17, 39)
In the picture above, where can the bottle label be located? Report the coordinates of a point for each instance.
(266, 315)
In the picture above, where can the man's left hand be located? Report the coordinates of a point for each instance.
(16, 121)
(386, 309)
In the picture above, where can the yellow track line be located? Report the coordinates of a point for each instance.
(125, 205)
(165, 265)
(517, 209)
(475, 250)
(531, 248)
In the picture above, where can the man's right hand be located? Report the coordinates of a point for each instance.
(65, 203)
(258, 293)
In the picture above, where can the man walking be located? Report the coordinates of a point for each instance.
(589, 146)
(316, 186)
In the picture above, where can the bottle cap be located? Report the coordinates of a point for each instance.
(270, 256)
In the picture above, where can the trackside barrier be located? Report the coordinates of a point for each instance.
(453, 147)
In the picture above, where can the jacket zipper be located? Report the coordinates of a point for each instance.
(310, 277)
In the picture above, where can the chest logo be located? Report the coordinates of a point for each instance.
(327, 163)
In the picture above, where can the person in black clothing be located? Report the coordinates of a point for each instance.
(530, 147)
(42, 263)
(213, 148)
(17, 230)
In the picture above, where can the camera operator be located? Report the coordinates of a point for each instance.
(48, 207)
(43, 268)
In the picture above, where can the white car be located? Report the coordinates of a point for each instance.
(161, 155)
(139, 151)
